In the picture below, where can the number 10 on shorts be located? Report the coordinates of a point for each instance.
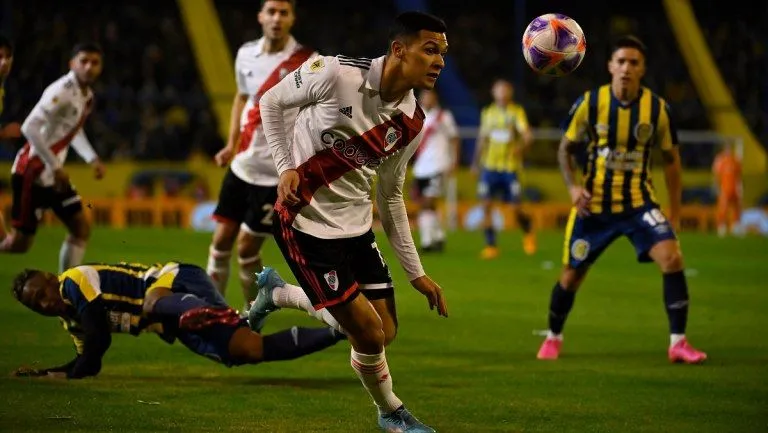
(654, 217)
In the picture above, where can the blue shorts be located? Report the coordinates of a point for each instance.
(502, 185)
(587, 237)
(212, 342)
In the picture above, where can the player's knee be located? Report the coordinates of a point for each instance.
(248, 246)
(671, 261)
(81, 230)
(390, 332)
(571, 278)
(369, 337)
(151, 298)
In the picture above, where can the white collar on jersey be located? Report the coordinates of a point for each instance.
(373, 83)
(290, 46)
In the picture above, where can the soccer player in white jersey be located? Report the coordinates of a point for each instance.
(38, 179)
(12, 129)
(358, 118)
(249, 190)
(435, 160)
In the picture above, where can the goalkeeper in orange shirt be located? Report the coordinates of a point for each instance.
(727, 171)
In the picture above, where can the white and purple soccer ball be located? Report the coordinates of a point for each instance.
(554, 44)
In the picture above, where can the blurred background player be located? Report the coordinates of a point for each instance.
(435, 160)
(248, 191)
(176, 301)
(13, 129)
(503, 139)
(38, 179)
(358, 119)
(623, 122)
(727, 171)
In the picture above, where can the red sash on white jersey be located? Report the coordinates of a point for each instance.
(428, 131)
(35, 164)
(254, 114)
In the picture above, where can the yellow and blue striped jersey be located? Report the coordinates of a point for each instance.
(121, 287)
(503, 126)
(619, 142)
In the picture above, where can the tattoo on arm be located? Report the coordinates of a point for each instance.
(565, 160)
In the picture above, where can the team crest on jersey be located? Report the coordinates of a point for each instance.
(332, 279)
(643, 132)
(580, 249)
(317, 65)
(601, 129)
(392, 137)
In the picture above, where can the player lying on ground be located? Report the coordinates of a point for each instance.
(177, 301)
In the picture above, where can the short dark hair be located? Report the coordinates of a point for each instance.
(629, 41)
(408, 24)
(20, 281)
(292, 2)
(87, 47)
(6, 43)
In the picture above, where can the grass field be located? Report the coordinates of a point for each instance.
(473, 372)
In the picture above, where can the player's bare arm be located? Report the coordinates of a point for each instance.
(225, 155)
(579, 196)
(672, 175)
(480, 145)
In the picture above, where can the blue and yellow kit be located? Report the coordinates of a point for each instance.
(619, 142)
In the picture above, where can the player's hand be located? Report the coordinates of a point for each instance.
(11, 130)
(29, 372)
(288, 187)
(223, 156)
(433, 293)
(98, 169)
(60, 179)
(580, 198)
(475, 170)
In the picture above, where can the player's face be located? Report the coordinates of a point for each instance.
(276, 19)
(627, 67)
(6, 61)
(428, 99)
(422, 58)
(41, 295)
(87, 66)
(502, 92)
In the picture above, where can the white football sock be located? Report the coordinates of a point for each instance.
(437, 228)
(248, 268)
(71, 253)
(425, 228)
(293, 297)
(374, 373)
(218, 268)
(552, 336)
(675, 338)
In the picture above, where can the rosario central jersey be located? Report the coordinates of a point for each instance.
(344, 135)
(621, 137)
(54, 123)
(256, 72)
(435, 154)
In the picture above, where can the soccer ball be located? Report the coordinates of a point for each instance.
(554, 44)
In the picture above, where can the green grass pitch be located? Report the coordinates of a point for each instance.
(473, 372)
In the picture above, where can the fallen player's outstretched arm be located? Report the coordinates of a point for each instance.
(96, 338)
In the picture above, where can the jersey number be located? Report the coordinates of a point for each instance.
(269, 211)
(654, 217)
